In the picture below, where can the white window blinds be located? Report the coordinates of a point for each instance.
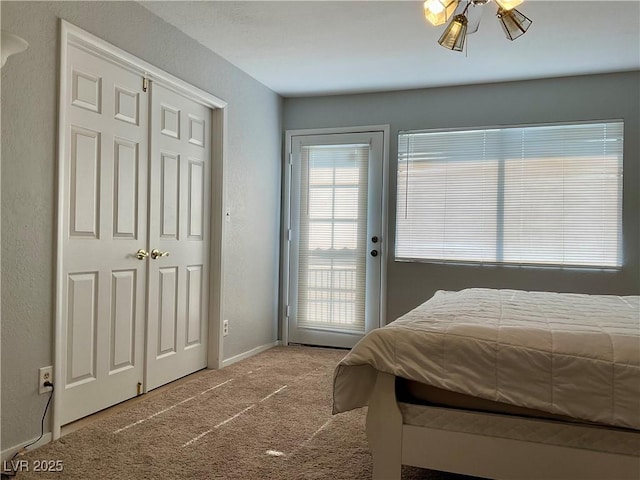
(333, 232)
(539, 195)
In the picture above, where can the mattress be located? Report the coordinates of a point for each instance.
(566, 354)
(576, 435)
(416, 393)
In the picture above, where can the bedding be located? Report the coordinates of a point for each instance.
(566, 354)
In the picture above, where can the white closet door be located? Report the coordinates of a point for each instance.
(179, 229)
(104, 221)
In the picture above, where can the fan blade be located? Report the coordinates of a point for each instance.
(474, 15)
(462, 5)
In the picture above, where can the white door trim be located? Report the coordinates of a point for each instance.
(72, 35)
(286, 217)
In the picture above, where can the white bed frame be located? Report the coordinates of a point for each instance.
(394, 443)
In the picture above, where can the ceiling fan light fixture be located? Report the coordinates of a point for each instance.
(508, 4)
(455, 33)
(513, 22)
(438, 12)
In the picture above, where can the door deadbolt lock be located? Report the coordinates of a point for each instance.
(155, 253)
(142, 254)
(374, 253)
(374, 239)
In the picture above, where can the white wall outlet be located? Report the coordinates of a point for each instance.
(45, 374)
(225, 328)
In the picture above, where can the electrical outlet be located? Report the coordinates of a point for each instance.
(45, 375)
(225, 328)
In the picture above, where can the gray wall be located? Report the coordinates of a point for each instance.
(554, 100)
(29, 121)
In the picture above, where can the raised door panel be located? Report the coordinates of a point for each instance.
(127, 105)
(170, 121)
(169, 194)
(123, 321)
(194, 306)
(125, 195)
(85, 183)
(195, 195)
(197, 130)
(168, 304)
(81, 328)
(86, 91)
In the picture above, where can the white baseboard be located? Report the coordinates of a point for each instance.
(249, 353)
(9, 452)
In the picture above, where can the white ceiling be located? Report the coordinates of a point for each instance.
(300, 48)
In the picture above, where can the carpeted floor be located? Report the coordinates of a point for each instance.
(267, 417)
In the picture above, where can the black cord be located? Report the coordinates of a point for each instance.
(13, 472)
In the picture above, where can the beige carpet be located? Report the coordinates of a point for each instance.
(267, 417)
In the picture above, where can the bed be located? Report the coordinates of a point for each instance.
(502, 384)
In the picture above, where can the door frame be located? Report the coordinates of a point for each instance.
(285, 233)
(72, 35)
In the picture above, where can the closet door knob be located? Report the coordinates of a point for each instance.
(155, 253)
(142, 254)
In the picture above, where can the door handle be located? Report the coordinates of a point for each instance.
(142, 254)
(374, 253)
(155, 253)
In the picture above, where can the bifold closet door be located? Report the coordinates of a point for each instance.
(135, 244)
(178, 281)
(104, 223)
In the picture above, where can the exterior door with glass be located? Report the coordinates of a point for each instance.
(335, 238)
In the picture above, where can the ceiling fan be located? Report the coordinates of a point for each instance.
(466, 19)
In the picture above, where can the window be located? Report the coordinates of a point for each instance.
(535, 195)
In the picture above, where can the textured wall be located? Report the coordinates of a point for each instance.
(29, 121)
(554, 100)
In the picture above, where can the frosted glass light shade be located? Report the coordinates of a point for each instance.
(438, 12)
(455, 33)
(508, 4)
(11, 44)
